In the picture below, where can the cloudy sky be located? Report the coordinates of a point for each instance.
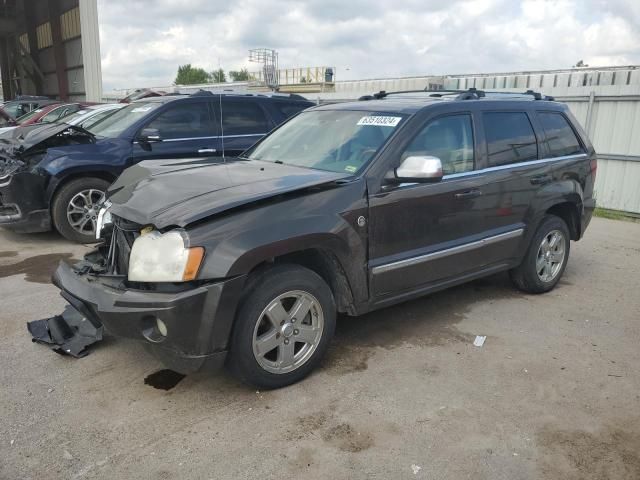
(142, 42)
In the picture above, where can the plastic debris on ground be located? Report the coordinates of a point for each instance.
(479, 341)
(67, 334)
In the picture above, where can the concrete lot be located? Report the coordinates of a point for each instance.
(554, 393)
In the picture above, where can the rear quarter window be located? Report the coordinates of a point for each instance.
(560, 138)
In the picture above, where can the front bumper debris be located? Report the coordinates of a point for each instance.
(197, 321)
(69, 333)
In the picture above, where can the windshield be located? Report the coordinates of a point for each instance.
(28, 116)
(334, 140)
(70, 117)
(113, 125)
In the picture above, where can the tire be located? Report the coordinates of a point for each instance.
(260, 341)
(73, 191)
(539, 272)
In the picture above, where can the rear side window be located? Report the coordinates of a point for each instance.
(289, 109)
(243, 118)
(560, 137)
(185, 120)
(510, 138)
(450, 139)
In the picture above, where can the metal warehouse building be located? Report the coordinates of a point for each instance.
(50, 47)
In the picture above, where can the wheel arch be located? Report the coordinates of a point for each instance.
(570, 212)
(57, 183)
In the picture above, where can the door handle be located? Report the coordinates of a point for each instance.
(468, 194)
(540, 179)
(207, 150)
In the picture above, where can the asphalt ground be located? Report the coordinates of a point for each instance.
(554, 393)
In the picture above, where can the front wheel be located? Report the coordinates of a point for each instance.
(546, 258)
(75, 208)
(283, 327)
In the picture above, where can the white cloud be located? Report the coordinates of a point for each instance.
(142, 43)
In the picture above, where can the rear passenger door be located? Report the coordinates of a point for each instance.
(513, 172)
(244, 122)
(186, 129)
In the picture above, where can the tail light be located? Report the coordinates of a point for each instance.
(594, 167)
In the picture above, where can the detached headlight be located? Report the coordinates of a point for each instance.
(104, 219)
(164, 257)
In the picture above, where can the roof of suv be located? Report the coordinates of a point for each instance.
(205, 93)
(410, 102)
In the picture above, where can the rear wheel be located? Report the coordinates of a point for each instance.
(283, 327)
(75, 208)
(546, 259)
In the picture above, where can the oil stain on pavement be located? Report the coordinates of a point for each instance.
(37, 269)
(164, 379)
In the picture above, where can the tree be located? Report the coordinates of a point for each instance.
(241, 75)
(580, 63)
(188, 75)
(218, 76)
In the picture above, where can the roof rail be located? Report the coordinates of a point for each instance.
(470, 94)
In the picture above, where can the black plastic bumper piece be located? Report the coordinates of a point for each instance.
(68, 334)
(197, 320)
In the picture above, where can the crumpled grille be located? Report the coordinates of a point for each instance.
(123, 235)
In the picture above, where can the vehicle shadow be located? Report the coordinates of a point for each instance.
(428, 321)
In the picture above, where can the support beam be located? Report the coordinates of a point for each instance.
(91, 50)
(58, 49)
(5, 70)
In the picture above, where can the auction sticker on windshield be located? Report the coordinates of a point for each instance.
(380, 121)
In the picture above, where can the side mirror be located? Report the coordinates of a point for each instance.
(419, 169)
(150, 135)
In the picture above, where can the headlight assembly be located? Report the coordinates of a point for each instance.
(104, 219)
(164, 257)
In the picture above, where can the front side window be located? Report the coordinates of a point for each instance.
(450, 139)
(510, 138)
(560, 137)
(333, 140)
(243, 118)
(185, 120)
(115, 124)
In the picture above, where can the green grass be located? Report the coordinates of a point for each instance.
(610, 214)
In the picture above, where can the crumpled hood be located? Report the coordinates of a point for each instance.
(19, 143)
(180, 192)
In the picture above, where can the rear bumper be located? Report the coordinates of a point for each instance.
(198, 321)
(23, 207)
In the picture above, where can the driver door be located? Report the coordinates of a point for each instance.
(418, 230)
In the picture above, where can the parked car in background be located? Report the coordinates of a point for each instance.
(17, 108)
(90, 115)
(346, 208)
(56, 174)
(139, 94)
(47, 114)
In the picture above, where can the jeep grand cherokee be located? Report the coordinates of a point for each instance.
(345, 208)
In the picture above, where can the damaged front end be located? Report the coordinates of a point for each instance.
(24, 205)
(179, 322)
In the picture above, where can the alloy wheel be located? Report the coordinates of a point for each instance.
(551, 256)
(82, 211)
(288, 332)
